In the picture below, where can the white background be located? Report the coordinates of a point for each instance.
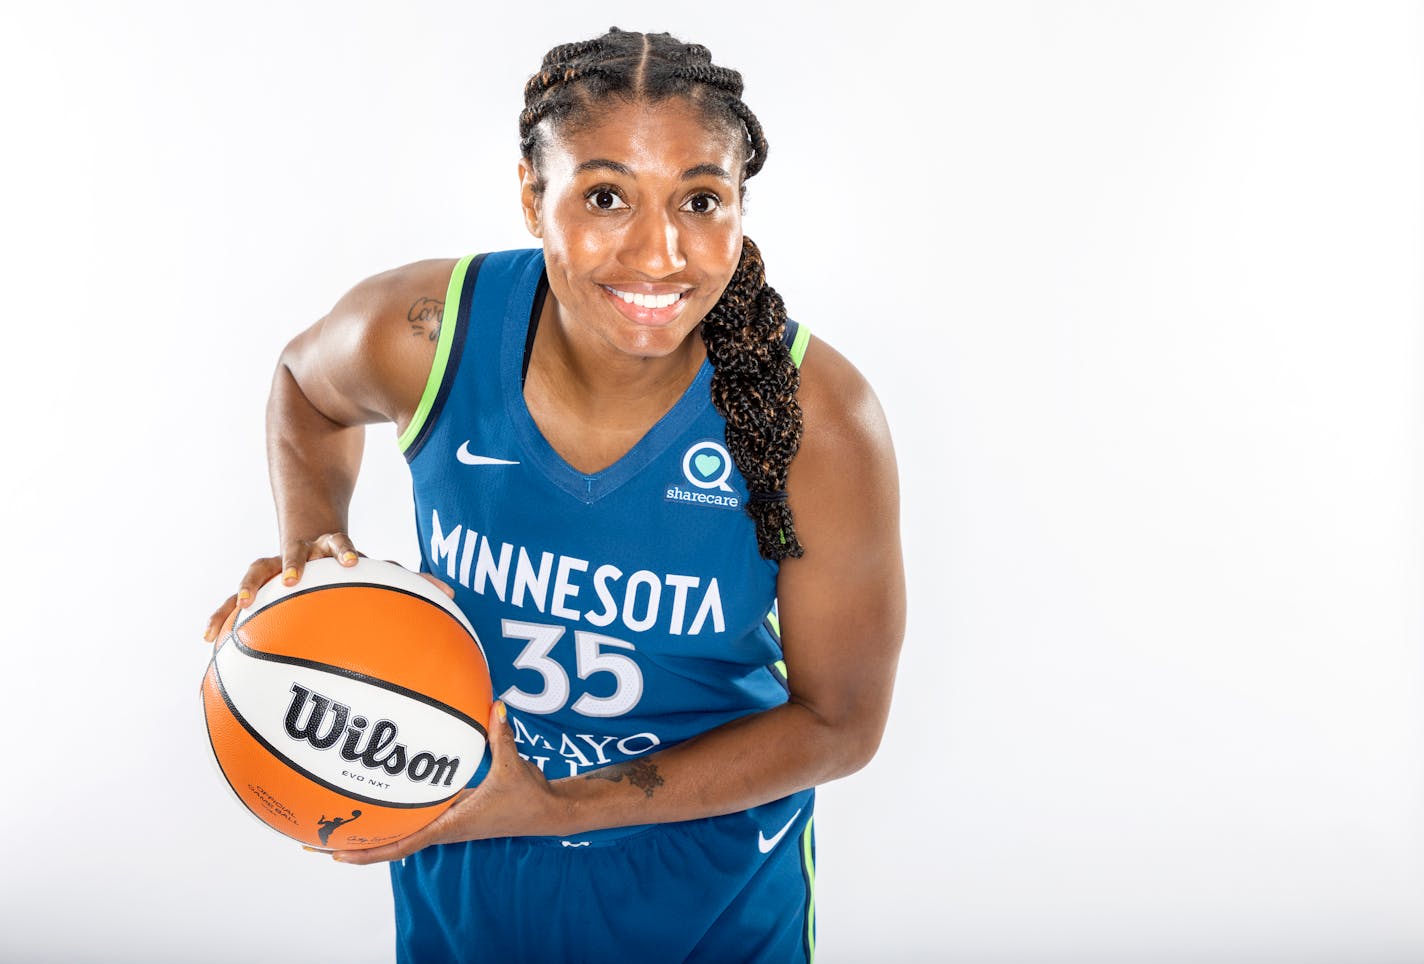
(1138, 284)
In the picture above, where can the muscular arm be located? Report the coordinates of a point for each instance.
(366, 361)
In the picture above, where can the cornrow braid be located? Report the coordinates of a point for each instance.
(754, 379)
(756, 156)
(722, 78)
(558, 73)
(695, 52)
(567, 52)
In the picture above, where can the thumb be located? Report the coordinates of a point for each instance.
(501, 737)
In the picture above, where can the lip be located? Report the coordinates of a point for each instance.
(651, 317)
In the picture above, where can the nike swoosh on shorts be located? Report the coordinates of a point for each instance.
(464, 456)
(765, 845)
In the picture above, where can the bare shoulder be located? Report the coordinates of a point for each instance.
(843, 487)
(843, 419)
(408, 299)
(368, 358)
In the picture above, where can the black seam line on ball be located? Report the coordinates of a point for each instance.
(307, 774)
(351, 674)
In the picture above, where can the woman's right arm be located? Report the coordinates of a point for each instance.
(367, 361)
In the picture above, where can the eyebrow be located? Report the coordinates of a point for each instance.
(705, 169)
(604, 164)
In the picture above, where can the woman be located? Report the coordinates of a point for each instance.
(627, 463)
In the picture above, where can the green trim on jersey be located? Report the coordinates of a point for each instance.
(448, 320)
(798, 345)
(808, 867)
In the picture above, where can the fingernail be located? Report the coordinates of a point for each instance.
(244, 594)
(290, 575)
(348, 556)
(312, 850)
(338, 858)
(499, 708)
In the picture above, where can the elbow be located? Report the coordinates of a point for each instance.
(861, 746)
(847, 742)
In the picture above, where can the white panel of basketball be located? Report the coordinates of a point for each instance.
(438, 751)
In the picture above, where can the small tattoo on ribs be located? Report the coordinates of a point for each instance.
(424, 317)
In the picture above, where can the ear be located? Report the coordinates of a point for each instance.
(529, 198)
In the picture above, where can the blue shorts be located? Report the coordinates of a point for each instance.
(739, 887)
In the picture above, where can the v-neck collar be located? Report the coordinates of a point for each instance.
(518, 319)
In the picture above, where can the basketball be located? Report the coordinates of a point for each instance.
(349, 710)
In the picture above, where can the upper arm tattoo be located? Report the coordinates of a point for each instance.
(424, 317)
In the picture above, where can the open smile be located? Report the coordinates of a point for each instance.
(647, 307)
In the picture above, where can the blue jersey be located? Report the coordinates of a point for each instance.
(621, 612)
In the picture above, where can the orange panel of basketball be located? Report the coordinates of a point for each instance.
(378, 631)
(348, 711)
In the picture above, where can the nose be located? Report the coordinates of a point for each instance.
(652, 245)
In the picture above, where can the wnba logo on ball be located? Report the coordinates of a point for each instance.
(707, 467)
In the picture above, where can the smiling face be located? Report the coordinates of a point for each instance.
(640, 215)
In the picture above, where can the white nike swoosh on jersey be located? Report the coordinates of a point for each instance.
(765, 845)
(464, 456)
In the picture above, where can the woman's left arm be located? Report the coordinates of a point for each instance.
(842, 611)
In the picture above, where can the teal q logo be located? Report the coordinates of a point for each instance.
(707, 466)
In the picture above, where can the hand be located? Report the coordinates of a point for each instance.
(514, 800)
(293, 560)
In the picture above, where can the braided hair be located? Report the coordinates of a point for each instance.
(754, 379)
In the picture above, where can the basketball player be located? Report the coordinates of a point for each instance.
(670, 514)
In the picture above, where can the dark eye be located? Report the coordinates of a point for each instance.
(605, 199)
(703, 203)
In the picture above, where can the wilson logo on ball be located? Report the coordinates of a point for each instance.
(327, 721)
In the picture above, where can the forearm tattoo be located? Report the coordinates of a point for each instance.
(424, 317)
(642, 774)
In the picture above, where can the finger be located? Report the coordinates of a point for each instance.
(439, 830)
(501, 738)
(444, 587)
(375, 855)
(294, 560)
(338, 545)
(255, 578)
(395, 851)
(505, 759)
(219, 615)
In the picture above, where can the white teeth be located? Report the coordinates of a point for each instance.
(647, 301)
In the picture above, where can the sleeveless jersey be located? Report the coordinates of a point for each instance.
(621, 612)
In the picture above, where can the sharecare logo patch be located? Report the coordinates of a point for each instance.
(706, 467)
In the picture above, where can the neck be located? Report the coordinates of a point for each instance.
(581, 373)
